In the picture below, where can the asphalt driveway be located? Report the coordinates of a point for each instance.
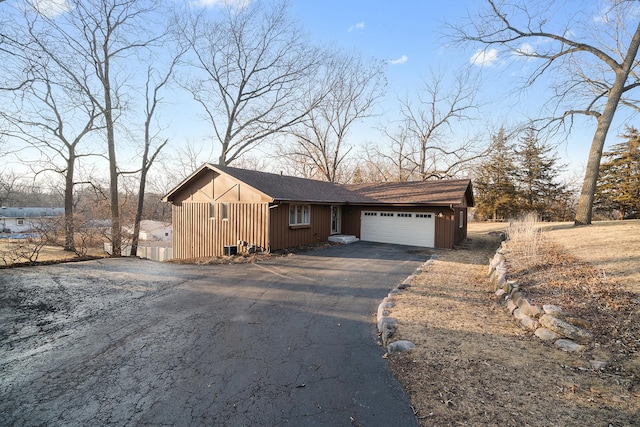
(288, 341)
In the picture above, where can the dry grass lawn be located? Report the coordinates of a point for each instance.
(613, 247)
(476, 365)
(46, 254)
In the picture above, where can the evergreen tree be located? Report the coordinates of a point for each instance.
(496, 196)
(537, 171)
(619, 181)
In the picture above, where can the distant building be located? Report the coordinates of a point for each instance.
(20, 220)
(153, 231)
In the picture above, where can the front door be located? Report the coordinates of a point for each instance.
(335, 219)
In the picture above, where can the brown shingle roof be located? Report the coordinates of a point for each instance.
(444, 192)
(289, 188)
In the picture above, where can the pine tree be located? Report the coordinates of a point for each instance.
(495, 187)
(619, 180)
(536, 175)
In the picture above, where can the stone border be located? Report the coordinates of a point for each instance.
(549, 322)
(386, 324)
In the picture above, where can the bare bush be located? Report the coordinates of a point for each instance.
(525, 240)
(28, 248)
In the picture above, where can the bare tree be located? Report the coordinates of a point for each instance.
(49, 116)
(254, 66)
(94, 45)
(350, 87)
(9, 181)
(155, 83)
(595, 66)
(421, 144)
(395, 161)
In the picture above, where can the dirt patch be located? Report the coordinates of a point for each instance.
(475, 365)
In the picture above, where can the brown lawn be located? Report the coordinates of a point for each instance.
(476, 365)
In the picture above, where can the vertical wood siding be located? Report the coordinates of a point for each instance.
(444, 229)
(283, 236)
(196, 234)
(460, 232)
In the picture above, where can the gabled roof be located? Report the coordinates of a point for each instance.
(289, 188)
(283, 188)
(443, 192)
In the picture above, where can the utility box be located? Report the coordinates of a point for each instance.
(231, 250)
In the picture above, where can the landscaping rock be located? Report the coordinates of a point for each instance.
(598, 364)
(386, 336)
(383, 309)
(516, 297)
(386, 322)
(530, 323)
(547, 334)
(553, 310)
(408, 280)
(528, 309)
(568, 345)
(400, 346)
(581, 323)
(511, 306)
(565, 329)
(518, 314)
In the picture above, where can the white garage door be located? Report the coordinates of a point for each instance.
(402, 228)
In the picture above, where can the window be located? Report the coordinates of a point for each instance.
(370, 214)
(299, 214)
(20, 221)
(404, 215)
(223, 212)
(423, 215)
(385, 214)
(461, 219)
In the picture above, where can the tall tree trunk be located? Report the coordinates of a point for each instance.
(136, 224)
(116, 232)
(584, 210)
(69, 229)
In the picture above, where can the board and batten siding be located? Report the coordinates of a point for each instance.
(200, 231)
(284, 236)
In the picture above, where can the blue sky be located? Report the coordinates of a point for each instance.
(410, 36)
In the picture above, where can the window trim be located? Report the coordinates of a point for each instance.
(224, 211)
(299, 216)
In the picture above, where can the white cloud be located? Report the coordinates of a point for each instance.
(525, 49)
(484, 58)
(401, 60)
(51, 8)
(358, 26)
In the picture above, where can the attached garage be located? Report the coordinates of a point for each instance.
(401, 228)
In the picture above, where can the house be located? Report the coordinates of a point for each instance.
(219, 208)
(152, 231)
(20, 220)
